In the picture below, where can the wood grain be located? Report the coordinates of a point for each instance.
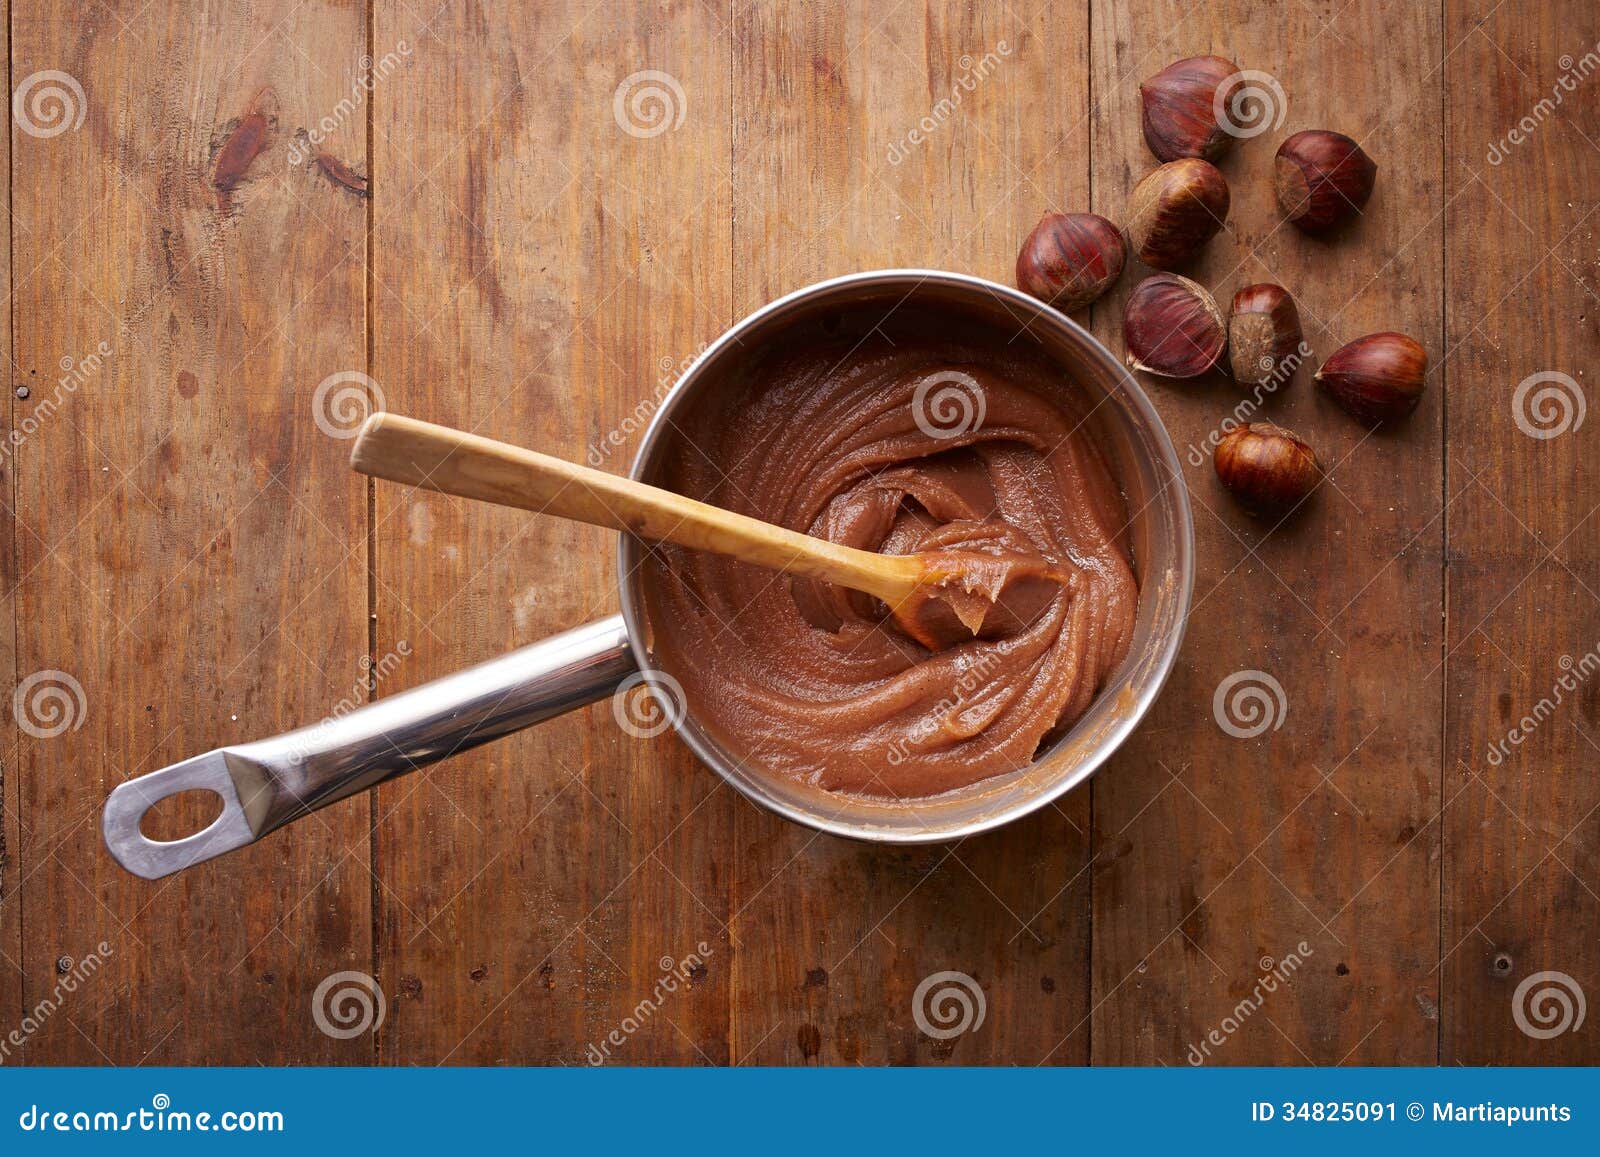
(182, 537)
(189, 543)
(11, 956)
(1522, 708)
(829, 180)
(537, 270)
(1217, 857)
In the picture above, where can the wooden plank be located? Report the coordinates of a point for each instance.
(1216, 853)
(11, 974)
(1521, 708)
(537, 269)
(180, 537)
(830, 178)
(190, 543)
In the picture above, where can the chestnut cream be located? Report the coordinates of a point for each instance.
(914, 436)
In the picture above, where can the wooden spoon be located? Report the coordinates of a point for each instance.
(450, 461)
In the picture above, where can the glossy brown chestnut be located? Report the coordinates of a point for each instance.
(1070, 259)
(1179, 102)
(1264, 335)
(1266, 468)
(1175, 210)
(1322, 179)
(1173, 327)
(1376, 378)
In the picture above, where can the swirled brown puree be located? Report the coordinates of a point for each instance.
(911, 439)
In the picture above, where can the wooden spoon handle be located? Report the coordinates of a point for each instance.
(405, 450)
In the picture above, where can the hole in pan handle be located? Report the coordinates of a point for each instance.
(152, 859)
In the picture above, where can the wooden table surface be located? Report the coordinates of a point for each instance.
(466, 204)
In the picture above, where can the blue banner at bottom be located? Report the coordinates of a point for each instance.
(802, 1110)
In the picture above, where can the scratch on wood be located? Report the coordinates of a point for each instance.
(479, 254)
(342, 174)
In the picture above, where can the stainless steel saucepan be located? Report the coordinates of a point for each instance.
(268, 784)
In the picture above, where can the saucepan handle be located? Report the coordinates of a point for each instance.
(266, 784)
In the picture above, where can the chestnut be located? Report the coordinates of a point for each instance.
(1376, 378)
(1263, 334)
(1269, 470)
(1175, 210)
(1070, 259)
(1322, 179)
(1173, 327)
(1179, 109)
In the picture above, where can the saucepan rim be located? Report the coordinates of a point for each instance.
(1109, 739)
